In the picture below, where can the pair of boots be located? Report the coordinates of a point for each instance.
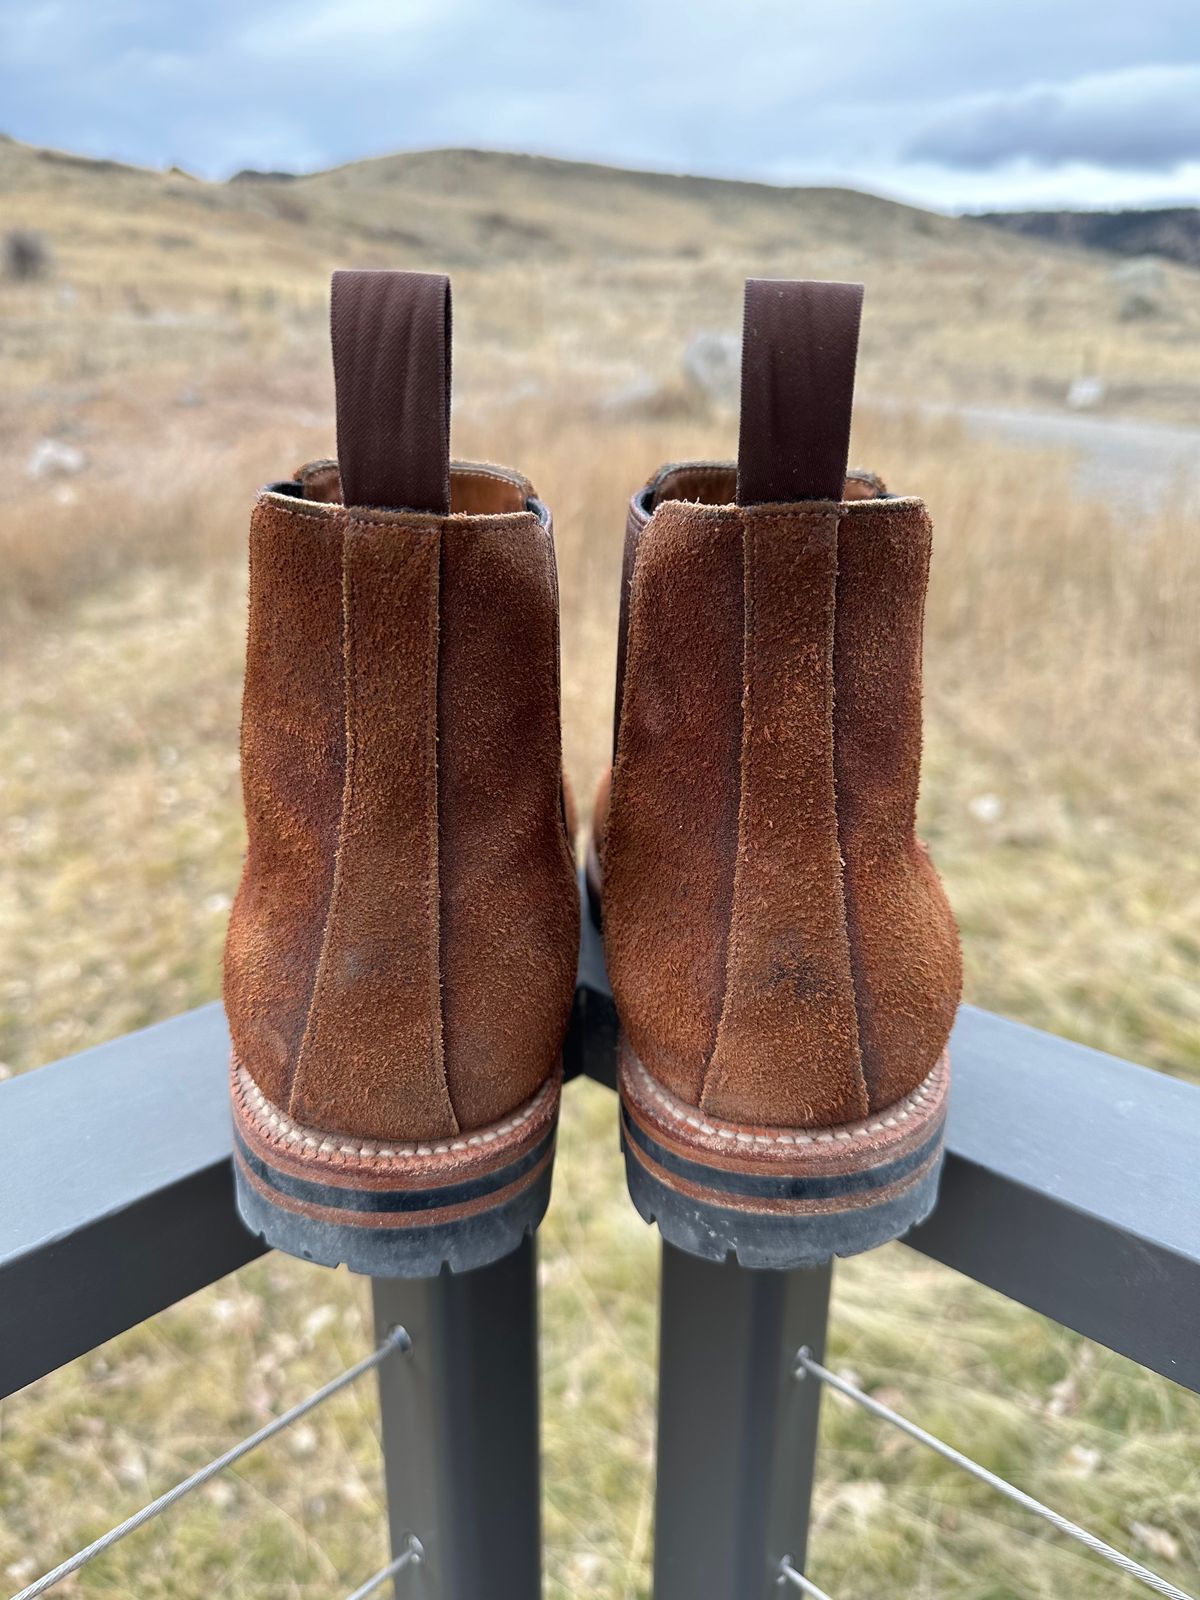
(401, 954)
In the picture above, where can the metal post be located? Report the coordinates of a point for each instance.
(737, 1434)
(460, 1431)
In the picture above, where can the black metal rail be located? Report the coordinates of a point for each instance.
(1070, 1186)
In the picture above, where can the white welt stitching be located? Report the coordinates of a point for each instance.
(286, 1128)
(917, 1101)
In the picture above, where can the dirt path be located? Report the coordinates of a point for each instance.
(1141, 463)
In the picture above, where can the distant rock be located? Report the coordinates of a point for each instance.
(26, 256)
(51, 458)
(1086, 394)
(709, 379)
(712, 366)
(641, 396)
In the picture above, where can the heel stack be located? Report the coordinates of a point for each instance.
(776, 1197)
(392, 1211)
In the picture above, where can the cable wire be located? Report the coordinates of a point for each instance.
(410, 1558)
(396, 1340)
(1131, 1568)
(788, 1574)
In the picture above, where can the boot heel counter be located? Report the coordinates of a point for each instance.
(671, 832)
(908, 965)
(401, 955)
(723, 918)
(787, 1050)
(292, 771)
(509, 897)
(370, 1062)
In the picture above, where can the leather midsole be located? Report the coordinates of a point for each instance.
(343, 1163)
(889, 1136)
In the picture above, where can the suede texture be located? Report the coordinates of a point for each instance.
(671, 840)
(371, 1059)
(907, 961)
(510, 905)
(710, 483)
(293, 765)
(401, 954)
(788, 1035)
(779, 945)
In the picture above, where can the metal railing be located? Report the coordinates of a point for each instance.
(396, 1341)
(806, 1367)
(1069, 1186)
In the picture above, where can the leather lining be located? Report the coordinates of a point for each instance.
(714, 483)
(477, 489)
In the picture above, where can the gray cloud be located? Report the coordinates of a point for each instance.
(865, 92)
(1147, 117)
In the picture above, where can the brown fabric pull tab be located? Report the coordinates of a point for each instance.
(391, 373)
(799, 349)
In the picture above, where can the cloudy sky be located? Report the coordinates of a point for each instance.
(962, 104)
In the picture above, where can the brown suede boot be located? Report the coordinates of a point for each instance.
(401, 954)
(785, 965)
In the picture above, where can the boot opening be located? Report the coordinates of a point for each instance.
(476, 489)
(714, 483)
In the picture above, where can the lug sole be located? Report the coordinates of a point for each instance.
(779, 1198)
(392, 1211)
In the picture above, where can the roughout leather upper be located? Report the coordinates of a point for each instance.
(401, 953)
(779, 945)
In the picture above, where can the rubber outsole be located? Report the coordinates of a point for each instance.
(408, 1211)
(779, 1199)
(414, 1252)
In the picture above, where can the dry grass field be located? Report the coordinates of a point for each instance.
(178, 343)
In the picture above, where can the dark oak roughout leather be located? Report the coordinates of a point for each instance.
(780, 948)
(401, 953)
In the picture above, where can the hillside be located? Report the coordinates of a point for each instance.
(1172, 233)
(474, 208)
(565, 272)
